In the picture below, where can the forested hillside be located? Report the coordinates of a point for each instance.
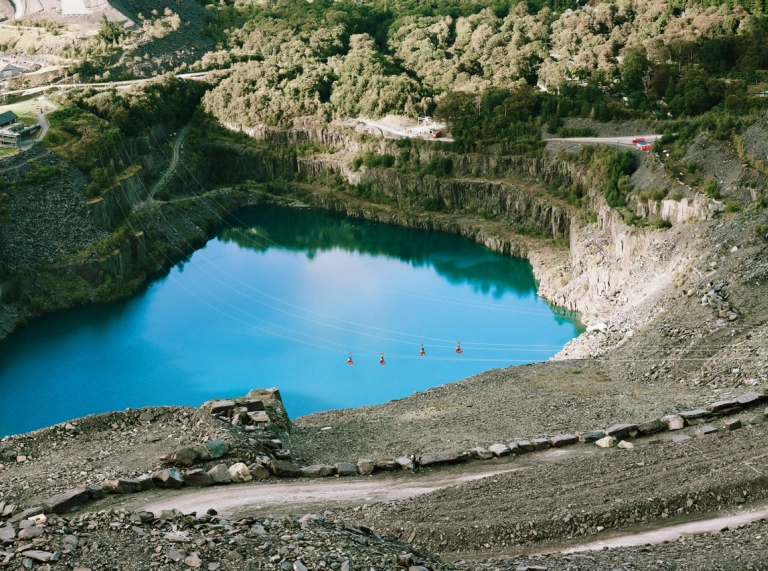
(514, 64)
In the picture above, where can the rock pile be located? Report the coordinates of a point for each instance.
(141, 540)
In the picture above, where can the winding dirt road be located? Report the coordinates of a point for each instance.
(172, 166)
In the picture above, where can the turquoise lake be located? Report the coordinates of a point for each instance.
(279, 297)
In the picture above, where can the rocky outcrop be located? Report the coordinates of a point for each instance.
(116, 203)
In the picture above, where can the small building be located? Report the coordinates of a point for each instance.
(9, 135)
(7, 118)
(9, 70)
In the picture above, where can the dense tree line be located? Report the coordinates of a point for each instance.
(495, 69)
(90, 127)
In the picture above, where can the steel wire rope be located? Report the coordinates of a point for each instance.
(346, 347)
(513, 347)
(483, 346)
(360, 350)
(280, 246)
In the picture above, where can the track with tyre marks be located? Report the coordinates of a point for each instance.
(646, 485)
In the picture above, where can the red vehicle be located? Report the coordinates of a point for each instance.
(638, 140)
(645, 147)
(436, 133)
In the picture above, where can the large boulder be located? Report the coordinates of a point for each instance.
(121, 486)
(64, 502)
(240, 473)
(563, 440)
(621, 430)
(591, 435)
(696, 416)
(540, 443)
(259, 471)
(731, 424)
(365, 466)
(705, 430)
(198, 478)
(387, 465)
(346, 469)
(168, 479)
(651, 426)
(526, 445)
(445, 457)
(318, 471)
(216, 448)
(183, 457)
(499, 450)
(480, 453)
(751, 399)
(673, 422)
(284, 469)
(220, 474)
(606, 442)
(722, 405)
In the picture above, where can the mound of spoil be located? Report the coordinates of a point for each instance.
(49, 461)
(49, 217)
(555, 505)
(171, 540)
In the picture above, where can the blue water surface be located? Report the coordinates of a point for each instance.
(278, 298)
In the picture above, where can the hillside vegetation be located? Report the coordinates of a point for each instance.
(476, 64)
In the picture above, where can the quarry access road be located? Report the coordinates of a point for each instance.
(304, 496)
(173, 164)
(624, 141)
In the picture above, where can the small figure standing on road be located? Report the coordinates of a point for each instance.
(413, 460)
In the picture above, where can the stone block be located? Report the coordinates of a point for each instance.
(561, 440)
(387, 465)
(283, 469)
(145, 482)
(480, 453)
(621, 430)
(258, 417)
(404, 462)
(751, 399)
(198, 478)
(346, 469)
(365, 466)
(220, 474)
(673, 421)
(7, 533)
(222, 407)
(499, 450)
(121, 486)
(259, 472)
(240, 473)
(95, 492)
(514, 448)
(445, 457)
(624, 445)
(217, 448)
(252, 405)
(680, 438)
(540, 443)
(651, 426)
(64, 502)
(591, 435)
(170, 479)
(731, 424)
(526, 445)
(722, 405)
(318, 471)
(606, 442)
(183, 457)
(692, 414)
(705, 430)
